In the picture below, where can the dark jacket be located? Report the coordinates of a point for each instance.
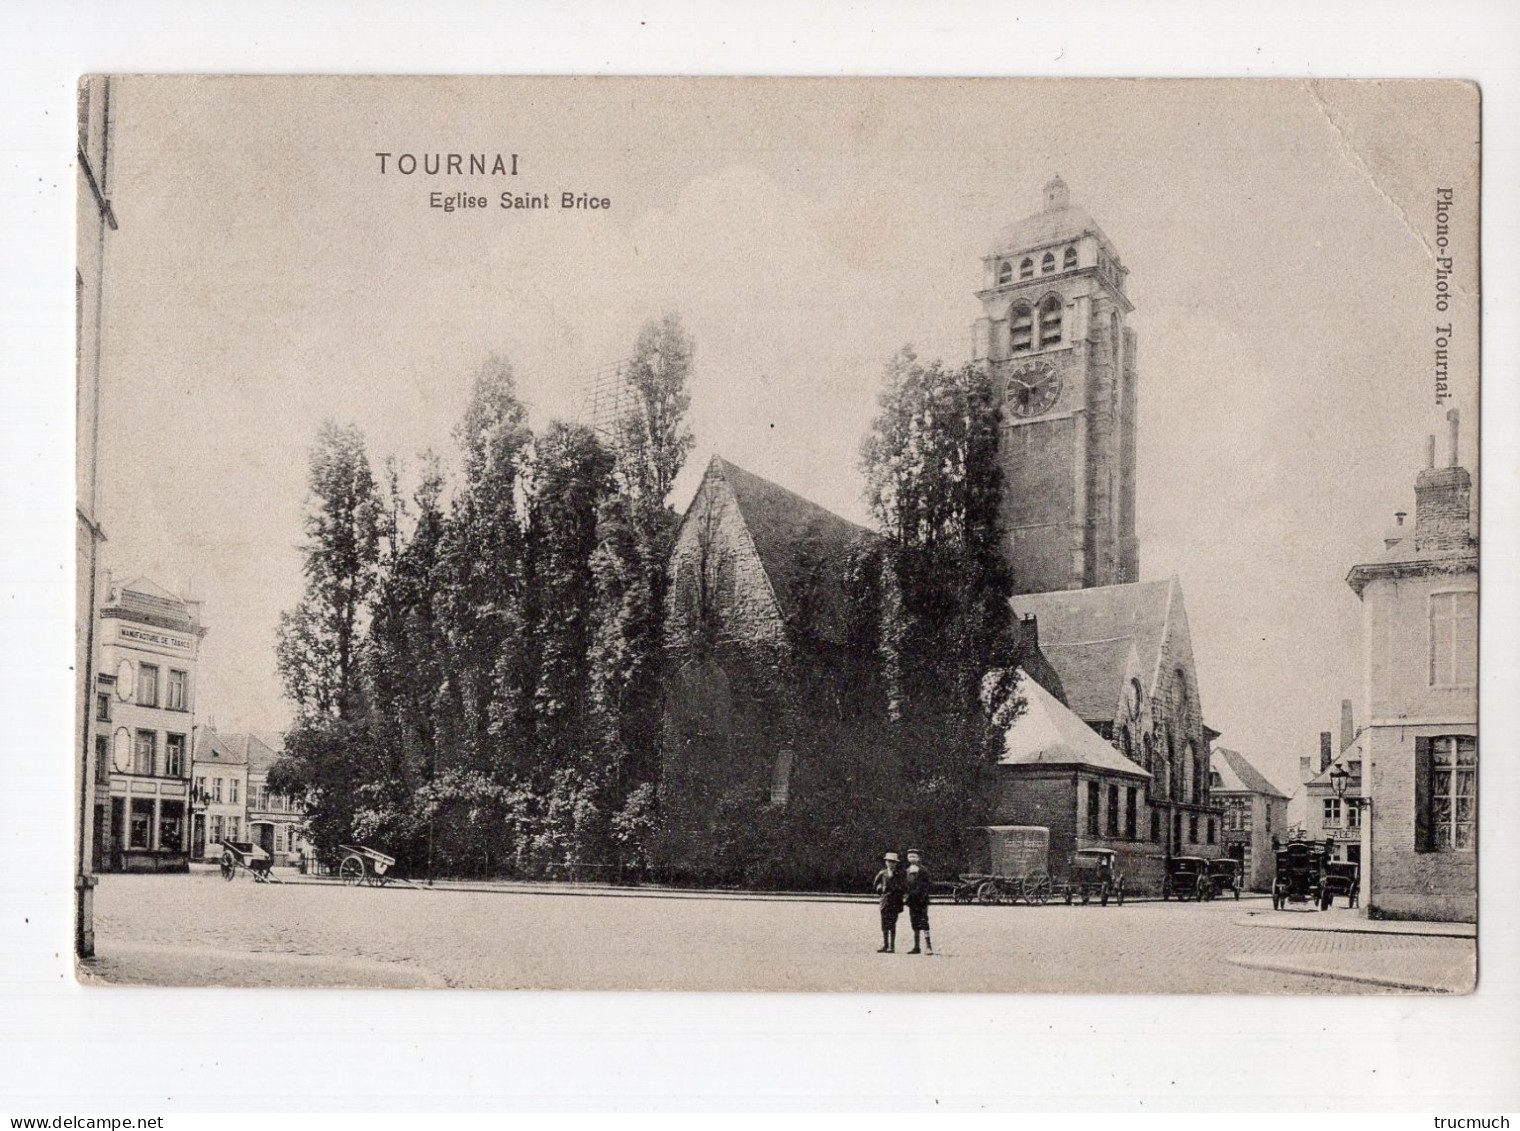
(918, 884)
(893, 888)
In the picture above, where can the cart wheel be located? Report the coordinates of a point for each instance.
(229, 867)
(1046, 889)
(986, 892)
(351, 871)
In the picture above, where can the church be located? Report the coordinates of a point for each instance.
(1107, 654)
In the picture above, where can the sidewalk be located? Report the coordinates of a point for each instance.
(1444, 960)
(1350, 921)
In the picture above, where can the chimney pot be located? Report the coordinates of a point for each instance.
(1324, 750)
(1399, 516)
(1348, 730)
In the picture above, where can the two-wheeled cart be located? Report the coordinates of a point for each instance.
(362, 865)
(244, 856)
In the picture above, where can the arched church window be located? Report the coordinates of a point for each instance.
(1005, 273)
(1026, 269)
(1020, 329)
(1048, 264)
(1190, 774)
(1050, 322)
(1069, 260)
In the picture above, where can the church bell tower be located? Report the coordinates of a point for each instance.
(1053, 330)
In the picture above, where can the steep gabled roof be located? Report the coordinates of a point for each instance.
(798, 542)
(1047, 734)
(226, 749)
(263, 751)
(1095, 637)
(1236, 774)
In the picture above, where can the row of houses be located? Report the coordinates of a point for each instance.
(169, 791)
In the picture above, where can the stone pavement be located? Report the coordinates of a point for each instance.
(200, 930)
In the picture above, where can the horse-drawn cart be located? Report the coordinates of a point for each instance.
(244, 856)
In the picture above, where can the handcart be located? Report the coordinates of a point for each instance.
(362, 865)
(241, 855)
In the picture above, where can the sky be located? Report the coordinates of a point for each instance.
(1281, 240)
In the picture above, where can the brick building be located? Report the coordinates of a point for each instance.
(1419, 748)
(1255, 811)
(1124, 656)
(1053, 329)
(1056, 772)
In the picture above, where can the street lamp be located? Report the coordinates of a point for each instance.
(1340, 779)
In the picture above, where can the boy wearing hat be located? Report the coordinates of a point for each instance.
(889, 881)
(916, 886)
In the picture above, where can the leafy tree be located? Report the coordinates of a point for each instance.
(319, 640)
(934, 488)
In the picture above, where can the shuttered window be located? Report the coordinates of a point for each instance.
(1050, 322)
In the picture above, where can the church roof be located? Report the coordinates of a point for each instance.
(1047, 734)
(1095, 637)
(796, 538)
(1058, 222)
(1237, 775)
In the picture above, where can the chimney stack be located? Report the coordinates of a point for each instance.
(1430, 450)
(1324, 750)
(1443, 501)
(1348, 731)
(1305, 768)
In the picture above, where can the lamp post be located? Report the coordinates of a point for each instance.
(1340, 781)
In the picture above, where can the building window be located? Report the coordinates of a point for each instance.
(1048, 264)
(171, 825)
(217, 828)
(1189, 773)
(1453, 639)
(1353, 817)
(232, 791)
(1050, 322)
(232, 828)
(147, 685)
(1020, 329)
(174, 755)
(1026, 269)
(1069, 260)
(102, 760)
(216, 790)
(781, 779)
(279, 838)
(1005, 273)
(1130, 813)
(1155, 825)
(1176, 830)
(200, 788)
(1212, 836)
(1268, 808)
(1093, 804)
(1113, 811)
(103, 707)
(1446, 794)
(140, 826)
(1193, 829)
(1332, 813)
(145, 752)
(178, 683)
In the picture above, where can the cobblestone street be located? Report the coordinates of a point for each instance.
(200, 930)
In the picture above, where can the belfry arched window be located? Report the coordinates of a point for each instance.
(1026, 269)
(1069, 260)
(1020, 329)
(1005, 272)
(1050, 322)
(1048, 263)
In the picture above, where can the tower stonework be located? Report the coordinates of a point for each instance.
(1054, 331)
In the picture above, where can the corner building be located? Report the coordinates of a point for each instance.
(142, 724)
(1053, 329)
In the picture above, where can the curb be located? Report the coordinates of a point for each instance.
(1310, 971)
(1421, 931)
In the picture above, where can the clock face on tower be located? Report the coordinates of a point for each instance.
(1033, 389)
